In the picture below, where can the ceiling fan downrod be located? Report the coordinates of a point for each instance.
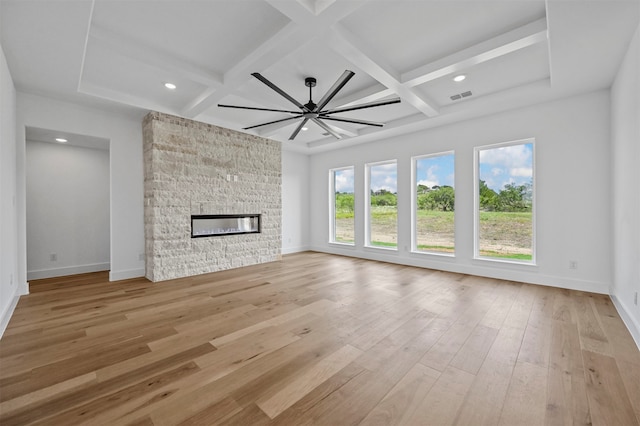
(310, 82)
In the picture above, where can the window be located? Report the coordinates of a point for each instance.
(505, 202)
(434, 203)
(382, 205)
(342, 202)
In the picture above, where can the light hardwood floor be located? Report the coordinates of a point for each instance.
(316, 339)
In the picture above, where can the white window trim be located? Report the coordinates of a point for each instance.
(367, 206)
(476, 203)
(332, 205)
(414, 205)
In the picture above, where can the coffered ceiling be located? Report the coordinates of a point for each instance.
(119, 54)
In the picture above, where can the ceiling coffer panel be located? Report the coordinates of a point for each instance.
(118, 55)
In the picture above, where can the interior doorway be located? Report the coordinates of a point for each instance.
(67, 203)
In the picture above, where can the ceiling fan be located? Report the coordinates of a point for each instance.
(316, 112)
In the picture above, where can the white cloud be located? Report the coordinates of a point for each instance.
(344, 180)
(427, 182)
(384, 176)
(497, 171)
(521, 172)
(509, 157)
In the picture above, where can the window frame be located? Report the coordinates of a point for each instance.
(332, 205)
(476, 203)
(367, 205)
(414, 204)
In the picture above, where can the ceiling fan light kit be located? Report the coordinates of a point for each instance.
(316, 112)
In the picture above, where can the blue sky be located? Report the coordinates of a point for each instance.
(384, 176)
(507, 164)
(498, 166)
(438, 170)
(344, 180)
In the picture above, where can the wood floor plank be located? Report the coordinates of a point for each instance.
(526, 397)
(316, 339)
(608, 399)
(443, 402)
(567, 402)
(471, 356)
(592, 337)
(307, 381)
(402, 401)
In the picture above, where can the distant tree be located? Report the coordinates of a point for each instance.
(488, 198)
(445, 198)
(383, 197)
(344, 201)
(515, 198)
(422, 189)
(442, 198)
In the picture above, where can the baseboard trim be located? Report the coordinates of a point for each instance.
(629, 321)
(68, 270)
(290, 250)
(508, 272)
(8, 312)
(126, 274)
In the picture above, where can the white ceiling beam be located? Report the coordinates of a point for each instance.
(152, 57)
(316, 13)
(283, 43)
(321, 5)
(369, 94)
(303, 28)
(120, 97)
(509, 42)
(389, 127)
(271, 129)
(364, 57)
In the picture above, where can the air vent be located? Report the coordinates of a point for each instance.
(461, 95)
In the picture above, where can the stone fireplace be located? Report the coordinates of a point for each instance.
(197, 170)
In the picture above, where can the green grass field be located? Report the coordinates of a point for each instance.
(504, 235)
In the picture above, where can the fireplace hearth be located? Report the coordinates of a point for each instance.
(226, 224)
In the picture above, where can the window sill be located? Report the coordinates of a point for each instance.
(506, 261)
(337, 243)
(433, 253)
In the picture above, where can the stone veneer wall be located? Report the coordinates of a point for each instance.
(186, 164)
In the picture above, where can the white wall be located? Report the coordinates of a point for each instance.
(9, 281)
(572, 189)
(126, 171)
(295, 202)
(625, 136)
(67, 209)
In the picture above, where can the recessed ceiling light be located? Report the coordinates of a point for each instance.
(61, 140)
(170, 86)
(304, 129)
(459, 78)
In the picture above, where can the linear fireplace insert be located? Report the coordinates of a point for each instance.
(211, 225)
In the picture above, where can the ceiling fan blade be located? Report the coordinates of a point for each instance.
(327, 128)
(342, 131)
(362, 106)
(349, 120)
(258, 109)
(278, 90)
(337, 86)
(271, 122)
(297, 130)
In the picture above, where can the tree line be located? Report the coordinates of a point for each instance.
(511, 198)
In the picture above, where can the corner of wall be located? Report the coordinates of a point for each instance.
(5, 317)
(632, 325)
